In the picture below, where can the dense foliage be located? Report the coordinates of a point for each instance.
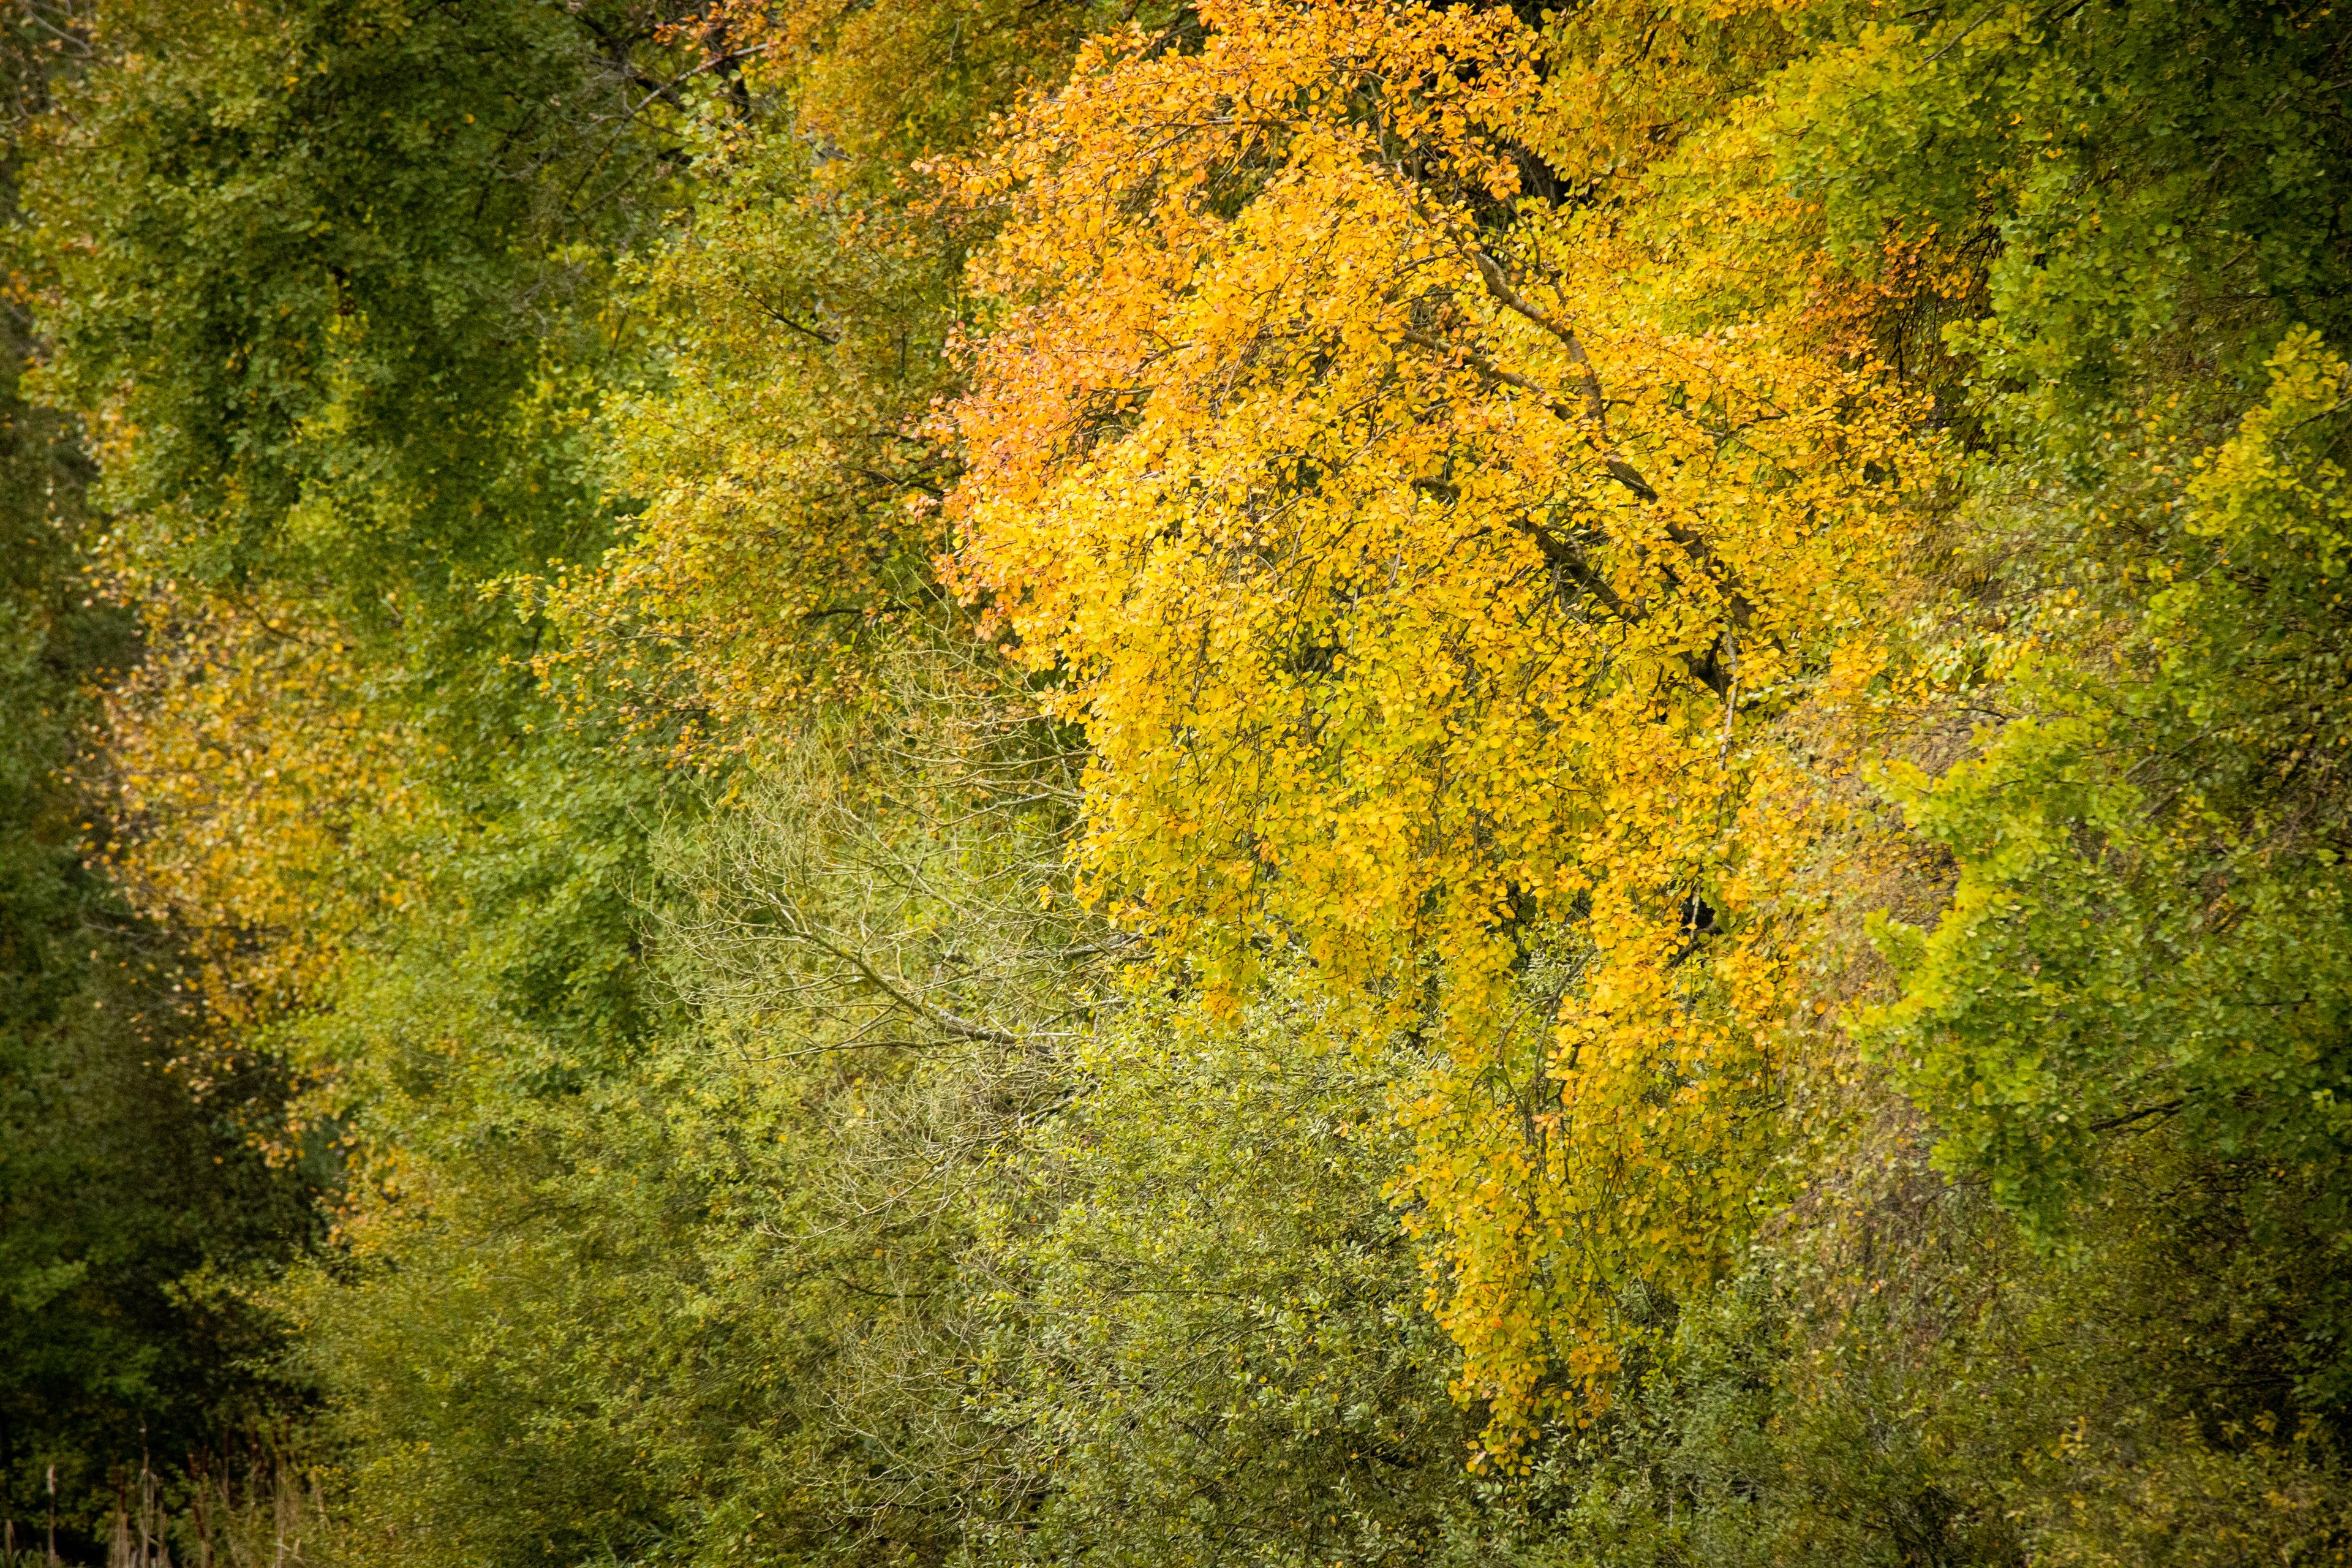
(1305, 782)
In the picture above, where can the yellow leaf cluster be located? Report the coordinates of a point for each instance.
(251, 764)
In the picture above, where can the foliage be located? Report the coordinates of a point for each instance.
(328, 275)
(791, 480)
(1417, 637)
(130, 1208)
(1291, 781)
(1208, 1332)
(710, 1301)
(2189, 967)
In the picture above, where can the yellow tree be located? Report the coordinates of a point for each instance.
(1434, 485)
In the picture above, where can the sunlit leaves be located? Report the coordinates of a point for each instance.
(1424, 583)
(2148, 924)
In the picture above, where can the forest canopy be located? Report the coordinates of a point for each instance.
(1318, 783)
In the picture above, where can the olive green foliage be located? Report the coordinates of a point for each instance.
(2067, 993)
(709, 1306)
(1212, 1335)
(2160, 189)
